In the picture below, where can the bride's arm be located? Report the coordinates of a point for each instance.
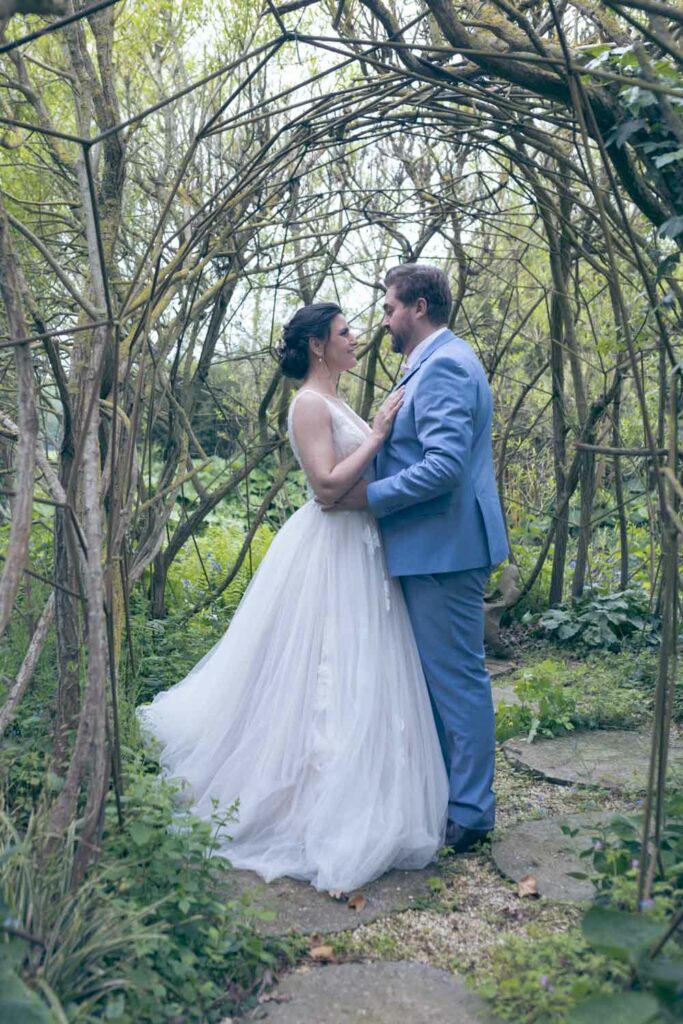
(312, 425)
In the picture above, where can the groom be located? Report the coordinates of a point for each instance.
(436, 503)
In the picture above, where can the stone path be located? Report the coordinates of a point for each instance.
(614, 759)
(376, 993)
(298, 907)
(541, 849)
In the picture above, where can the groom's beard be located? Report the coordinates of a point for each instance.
(398, 342)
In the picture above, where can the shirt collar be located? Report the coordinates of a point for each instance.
(412, 359)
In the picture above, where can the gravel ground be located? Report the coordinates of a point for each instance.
(523, 796)
(475, 910)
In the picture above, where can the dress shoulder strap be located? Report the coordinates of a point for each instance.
(311, 391)
(328, 401)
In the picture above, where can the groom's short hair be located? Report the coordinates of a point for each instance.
(413, 281)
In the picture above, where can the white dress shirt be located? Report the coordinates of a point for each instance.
(413, 358)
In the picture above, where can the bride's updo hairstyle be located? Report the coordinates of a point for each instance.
(308, 322)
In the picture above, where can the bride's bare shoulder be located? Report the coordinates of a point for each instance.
(310, 410)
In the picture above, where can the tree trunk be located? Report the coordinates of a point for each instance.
(587, 483)
(619, 490)
(27, 421)
(559, 454)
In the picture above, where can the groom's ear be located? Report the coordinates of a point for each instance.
(421, 307)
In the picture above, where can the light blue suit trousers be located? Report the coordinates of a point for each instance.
(446, 611)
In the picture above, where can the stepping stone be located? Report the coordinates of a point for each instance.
(297, 906)
(372, 993)
(499, 667)
(540, 848)
(504, 694)
(615, 759)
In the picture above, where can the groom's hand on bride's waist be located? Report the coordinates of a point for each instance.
(356, 498)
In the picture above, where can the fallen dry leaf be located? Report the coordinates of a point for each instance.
(357, 901)
(322, 953)
(527, 886)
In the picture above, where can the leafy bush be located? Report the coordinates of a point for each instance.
(632, 934)
(546, 707)
(614, 855)
(169, 860)
(655, 992)
(201, 566)
(166, 649)
(73, 947)
(600, 621)
(526, 540)
(557, 696)
(156, 931)
(536, 979)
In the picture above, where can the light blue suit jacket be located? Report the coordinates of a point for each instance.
(434, 493)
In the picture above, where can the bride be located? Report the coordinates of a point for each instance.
(312, 710)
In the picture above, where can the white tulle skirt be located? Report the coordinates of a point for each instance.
(312, 711)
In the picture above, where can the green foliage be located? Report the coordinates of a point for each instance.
(628, 933)
(604, 974)
(615, 852)
(83, 941)
(546, 706)
(600, 621)
(536, 979)
(204, 563)
(155, 931)
(25, 747)
(169, 860)
(527, 533)
(556, 696)
(609, 691)
(622, 1008)
(526, 540)
(18, 1003)
(632, 938)
(166, 650)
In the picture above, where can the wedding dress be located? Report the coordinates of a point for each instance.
(312, 709)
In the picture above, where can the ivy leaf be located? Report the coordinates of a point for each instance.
(665, 974)
(668, 158)
(671, 227)
(623, 1008)
(627, 129)
(140, 833)
(636, 97)
(618, 933)
(18, 1003)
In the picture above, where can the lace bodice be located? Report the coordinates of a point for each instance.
(348, 429)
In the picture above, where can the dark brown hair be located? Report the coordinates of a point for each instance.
(413, 281)
(308, 322)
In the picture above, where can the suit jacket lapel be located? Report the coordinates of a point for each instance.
(445, 336)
